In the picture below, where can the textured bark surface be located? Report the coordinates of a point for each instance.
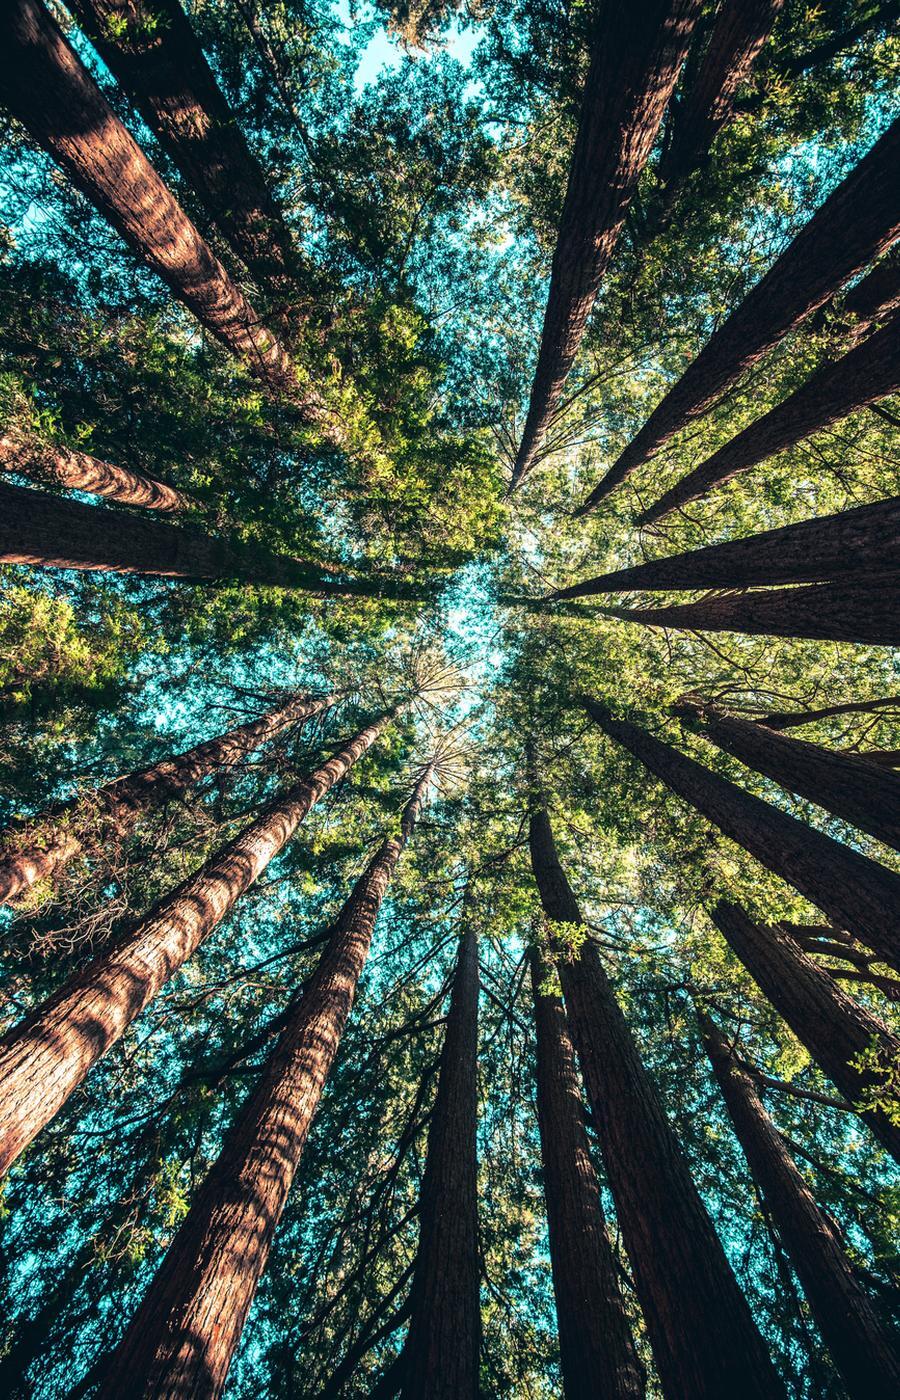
(834, 1028)
(597, 1355)
(45, 1057)
(38, 847)
(873, 298)
(857, 1340)
(441, 1356)
(864, 375)
(863, 611)
(635, 63)
(856, 893)
(78, 471)
(854, 225)
(182, 1338)
(852, 543)
(684, 1283)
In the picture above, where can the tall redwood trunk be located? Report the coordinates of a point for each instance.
(857, 893)
(38, 847)
(850, 544)
(597, 1355)
(865, 374)
(859, 1343)
(46, 1057)
(845, 784)
(867, 610)
(856, 222)
(182, 1338)
(636, 58)
(442, 1352)
(684, 1283)
(835, 1029)
(78, 471)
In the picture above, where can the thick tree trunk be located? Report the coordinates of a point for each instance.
(856, 893)
(635, 62)
(851, 1329)
(850, 544)
(839, 387)
(46, 1057)
(442, 1352)
(855, 224)
(684, 1283)
(38, 847)
(835, 1029)
(845, 784)
(78, 471)
(597, 1355)
(182, 1338)
(867, 611)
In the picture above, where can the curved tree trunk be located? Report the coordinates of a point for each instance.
(597, 1355)
(684, 1283)
(835, 1029)
(635, 61)
(78, 471)
(856, 893)
(442, 1352)
(46, 1057)
(182, 1337)
(854, 225)
(792, 719)
(38, 847)
(851, 1329)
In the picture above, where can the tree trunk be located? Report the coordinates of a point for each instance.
(855, 892)
(684, 1283)
(38, 847)
(854, 225)
(442, 1352)
(78, 471)
(46, 1057)
(635, 62)
(851, 1329)
(597, 1355)
(839, 387)
(849, 544)
(791, 719)
(844, 784)
(835, 1029)
(867, 611)
(875, 297)
(182, 1338)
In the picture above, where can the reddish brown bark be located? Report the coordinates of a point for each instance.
(597, 1355)
(46, 1057)
(636, 58)
(839, 387)
(182, 1338)
(854, 225)
(78, 471)
(851, 1329)
(441, 1355)
(835, 1029)
(38, 847)
(855, 892)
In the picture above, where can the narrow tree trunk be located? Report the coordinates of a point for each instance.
(597, 1355)
(867, 611)
(78, 471)
(792, 719)
(839, 387)
(38, 847)
(875, 297)
(442, 1352)
(855, 892)
(850, 544)
(635, 62)
(182, 1338)
(851, 1329)
(854, 225)
(684, 1283)
(46, 1057)
(845, 784)
(835, 1029)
